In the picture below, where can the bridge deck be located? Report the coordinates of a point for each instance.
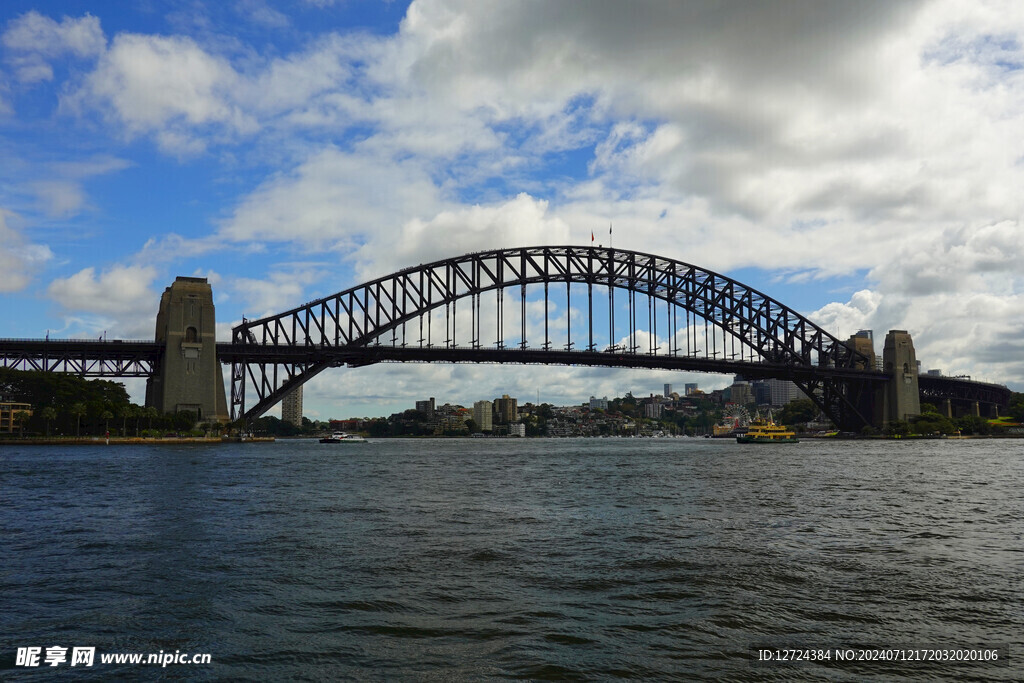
(358, 356)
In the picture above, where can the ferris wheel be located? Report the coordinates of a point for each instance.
(737, 415)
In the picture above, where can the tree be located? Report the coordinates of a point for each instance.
(932, 423)
(184, 420)
(125, 412)
(48, 413)
(106, 416)
(21, 417)
(135, 413)
(798, 411)
(898, 428)
(378, 427)
(78, 410)
(1017, 407)
(972, 424)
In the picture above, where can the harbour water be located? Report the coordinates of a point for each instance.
(484, 559)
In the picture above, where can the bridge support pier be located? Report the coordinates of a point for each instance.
(901, 399)
(189, 376)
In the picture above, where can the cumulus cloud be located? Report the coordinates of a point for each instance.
(19, 259)
(165, 85)
(280, 289)
(122, 292)
(332, 198)
(852, 316)
(521, 221)
(32, 39)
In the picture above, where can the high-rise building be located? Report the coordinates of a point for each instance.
(774, 392)
(740, 392)
(505, 410)
(782, 392)
(668, 391)
(690, 388)
(653, 408)
(863, 343)
(483, 415)
(762, 392)
(426, 407)
(291, 407)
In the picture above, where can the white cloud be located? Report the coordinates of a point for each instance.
(19, 259)
(59, 197)
(280, 289)
(517, 222)
(59, 186)
(32, 39)
(844, 319)
(168, 86)
(333, 198)
(802, 137)
(260, 12)
(122, 292)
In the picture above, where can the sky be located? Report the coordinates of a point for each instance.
(860, 162)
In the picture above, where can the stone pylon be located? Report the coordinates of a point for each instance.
(902, 398)
(189, 376)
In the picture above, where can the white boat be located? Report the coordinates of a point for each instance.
(343, 437)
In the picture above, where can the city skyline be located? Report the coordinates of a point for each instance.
(856, 161)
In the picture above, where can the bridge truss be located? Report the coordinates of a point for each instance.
(554, 305)
(82, 357)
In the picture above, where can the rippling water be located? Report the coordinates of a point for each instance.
(536, 559)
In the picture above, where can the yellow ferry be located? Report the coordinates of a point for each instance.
(766, 431)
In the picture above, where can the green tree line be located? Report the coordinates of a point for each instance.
(68, 405)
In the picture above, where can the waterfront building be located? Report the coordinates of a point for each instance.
(517, 429)
(426, 407)
(349, 425)
(291, 407)
(483, 415)
(505, 410)
(449, 418)
(9, 411)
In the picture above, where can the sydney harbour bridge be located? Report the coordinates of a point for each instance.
(577, 306)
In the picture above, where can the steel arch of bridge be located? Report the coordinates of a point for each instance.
(275, 354)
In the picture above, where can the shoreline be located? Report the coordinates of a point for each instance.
(129, 440)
